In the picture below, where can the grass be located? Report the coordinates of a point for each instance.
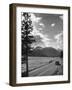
(38, 62)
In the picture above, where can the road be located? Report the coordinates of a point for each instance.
(46, 69)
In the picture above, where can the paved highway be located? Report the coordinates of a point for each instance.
(47, 69)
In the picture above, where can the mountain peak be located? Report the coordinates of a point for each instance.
(45, 52)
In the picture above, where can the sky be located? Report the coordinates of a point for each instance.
(47, 30)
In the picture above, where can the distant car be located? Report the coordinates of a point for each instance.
(57, 63)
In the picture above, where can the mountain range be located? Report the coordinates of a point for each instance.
(45, 52)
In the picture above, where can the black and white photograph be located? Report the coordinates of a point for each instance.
(42, 44)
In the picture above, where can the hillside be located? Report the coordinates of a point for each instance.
(45, 52)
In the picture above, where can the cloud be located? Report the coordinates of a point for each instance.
(58, 35)
(61, 17)
(41, 39)
(35, 19)
(53, 24)
(40, 29)
(41, 24)
(59, 40)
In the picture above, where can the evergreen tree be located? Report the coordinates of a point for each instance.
(61, 54)
(27, 40)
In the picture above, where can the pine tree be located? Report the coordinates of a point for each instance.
(27, 40)
(61, 54)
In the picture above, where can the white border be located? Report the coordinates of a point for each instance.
(63, 77)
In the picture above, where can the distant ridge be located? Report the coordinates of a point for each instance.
(45, 52)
